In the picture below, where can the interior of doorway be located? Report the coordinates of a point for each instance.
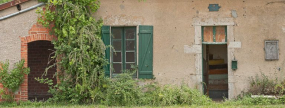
(215, 71)
(39, 58)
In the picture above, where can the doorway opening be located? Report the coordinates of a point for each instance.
(39, 54)
(215, 71)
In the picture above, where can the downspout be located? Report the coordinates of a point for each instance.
(22, 11)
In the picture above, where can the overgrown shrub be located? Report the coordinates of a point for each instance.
(173, 95)
(11, 79)
(262, 85)
(123, 90)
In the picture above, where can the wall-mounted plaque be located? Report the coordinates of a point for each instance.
(214, 7)
(271, 50)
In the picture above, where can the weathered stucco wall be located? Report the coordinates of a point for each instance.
(254, 22)
(12, 28)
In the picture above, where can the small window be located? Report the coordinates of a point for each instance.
(271, 50)
(214, 34)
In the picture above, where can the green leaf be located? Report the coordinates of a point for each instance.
(71, 30)
(64, 32)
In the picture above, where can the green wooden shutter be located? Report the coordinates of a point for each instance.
(145, 52)
(106, 39)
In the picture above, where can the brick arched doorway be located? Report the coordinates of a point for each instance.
(38, 41)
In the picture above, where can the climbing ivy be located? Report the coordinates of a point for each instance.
(11, 79)
(79, 50)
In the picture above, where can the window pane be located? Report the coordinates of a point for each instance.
(220, 34)
(130, 33)
(130, 56)
(117, 33)
(208, 34)
(117, 45)
(130, 45)
(129, 65)
(117, 67)
(117, 57)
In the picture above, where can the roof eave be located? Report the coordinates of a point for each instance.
(11, 4)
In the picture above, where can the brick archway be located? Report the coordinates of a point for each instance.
(36, 33)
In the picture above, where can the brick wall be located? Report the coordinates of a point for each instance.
(39, 53)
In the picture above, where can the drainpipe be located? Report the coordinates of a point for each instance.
(22, 11)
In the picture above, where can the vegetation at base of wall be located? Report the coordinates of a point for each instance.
(79, 49)
(262, 85)
(248, 100)
(11, 79)
(123, 90)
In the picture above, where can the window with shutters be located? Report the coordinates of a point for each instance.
(128, 50)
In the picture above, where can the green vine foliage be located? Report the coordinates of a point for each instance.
(11, 80)
(79, 49)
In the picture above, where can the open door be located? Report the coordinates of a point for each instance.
(215, 66)
(216, 71)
